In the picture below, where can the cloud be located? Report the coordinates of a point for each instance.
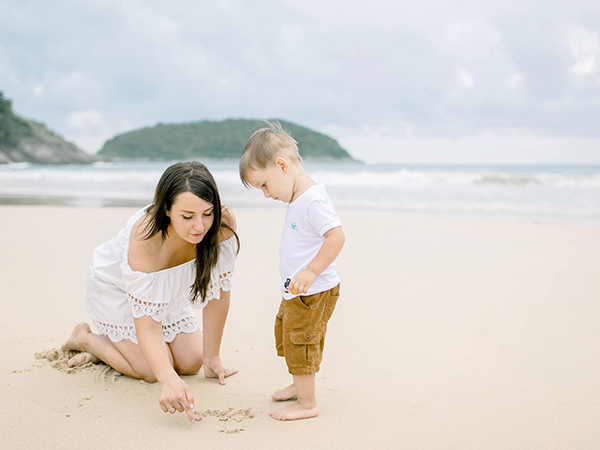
(428, 70)
(465, 77)
(515, 79)
(585, 46)
(515, 149)
(80, 119)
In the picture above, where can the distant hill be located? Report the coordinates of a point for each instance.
(23, 140)
(208, 139)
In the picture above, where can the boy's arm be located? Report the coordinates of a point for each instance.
(334, 241)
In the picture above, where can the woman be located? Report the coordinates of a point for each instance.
(178, 252)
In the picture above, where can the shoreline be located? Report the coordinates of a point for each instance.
(558, 195)
(101, 203)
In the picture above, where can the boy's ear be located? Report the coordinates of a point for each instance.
(282, 164)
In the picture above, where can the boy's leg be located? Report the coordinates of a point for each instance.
(306, 319)
(289, 392)
(306, 405)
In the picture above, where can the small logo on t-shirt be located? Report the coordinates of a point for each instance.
(294, 226)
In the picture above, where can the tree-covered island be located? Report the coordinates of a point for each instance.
(23, 140)
(213, 140)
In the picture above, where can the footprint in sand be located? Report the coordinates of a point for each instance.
(106, 374)
(59, 359)
(71, 361)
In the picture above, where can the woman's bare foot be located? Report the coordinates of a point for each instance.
(286, 393)
(77, 342)
(295, 411)
(77, 338)
(82, 358)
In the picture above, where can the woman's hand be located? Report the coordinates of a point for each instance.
(213, 368)
(176, 396)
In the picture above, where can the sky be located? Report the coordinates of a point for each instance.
(416, 81)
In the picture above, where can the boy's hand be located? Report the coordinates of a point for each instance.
(302, 282)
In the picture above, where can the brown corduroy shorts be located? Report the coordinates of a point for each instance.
(300, 328)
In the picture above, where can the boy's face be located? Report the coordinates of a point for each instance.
(274, 181)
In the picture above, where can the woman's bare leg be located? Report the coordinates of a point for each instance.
(124, 356)
(186, 349)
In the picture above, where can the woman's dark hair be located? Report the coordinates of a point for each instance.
(191, 177)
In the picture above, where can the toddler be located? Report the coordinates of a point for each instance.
(312, 238)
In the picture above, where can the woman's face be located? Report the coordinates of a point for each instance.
(191, 217)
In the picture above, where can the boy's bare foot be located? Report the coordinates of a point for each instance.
(75, 341)
(82, 358)
(286, 393)
(295, 411)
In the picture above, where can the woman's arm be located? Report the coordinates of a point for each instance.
(175, 392)
(214, 317)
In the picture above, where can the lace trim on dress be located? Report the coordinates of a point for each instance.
(187, 325)
(225, 282)
(141, 308)
(117, 333)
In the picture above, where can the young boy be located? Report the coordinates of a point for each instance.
(312, 238)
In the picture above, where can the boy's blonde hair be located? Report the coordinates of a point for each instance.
(265, 146)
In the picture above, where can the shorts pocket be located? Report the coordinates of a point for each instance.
(306, 349)
(306, 337)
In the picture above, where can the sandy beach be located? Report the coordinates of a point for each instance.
(448, 335)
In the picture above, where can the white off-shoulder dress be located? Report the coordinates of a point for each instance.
(116, 293)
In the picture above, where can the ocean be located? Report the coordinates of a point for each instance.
(546, 194)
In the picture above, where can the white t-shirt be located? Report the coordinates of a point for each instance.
(307, 220)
